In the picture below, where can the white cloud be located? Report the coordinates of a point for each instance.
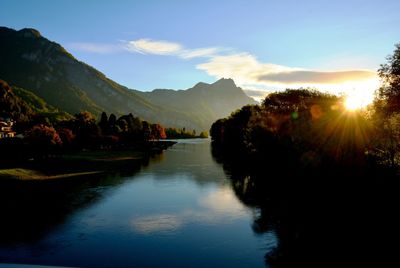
(95, 47)
(200, 52)
(245, 69)
(249, 73)
(157, 47)
(317, 77)
(257, 94)
(147, 46)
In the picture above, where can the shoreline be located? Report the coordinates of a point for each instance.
(84, 163)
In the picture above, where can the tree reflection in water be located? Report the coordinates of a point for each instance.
(30, 209)
(320, 220)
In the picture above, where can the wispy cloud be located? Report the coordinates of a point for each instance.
(246, 69)
(200, 52)
(250, 73)
(159, 47)
(97, 48)
(317, 77)
(147, 46)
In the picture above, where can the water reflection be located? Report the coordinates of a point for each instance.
(319, 220)
(32, 209)
(179, 211)
(219, 206)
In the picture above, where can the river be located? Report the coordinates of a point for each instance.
(178, 210)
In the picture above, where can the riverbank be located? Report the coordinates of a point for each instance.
(85, 163)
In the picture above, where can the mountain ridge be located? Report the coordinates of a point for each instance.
(32, 62)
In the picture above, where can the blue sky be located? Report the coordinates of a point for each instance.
(175, 44)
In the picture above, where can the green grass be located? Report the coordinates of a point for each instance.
(29, 174)
(104, 155)
(78, 164)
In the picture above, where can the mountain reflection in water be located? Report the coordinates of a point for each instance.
(179, 210)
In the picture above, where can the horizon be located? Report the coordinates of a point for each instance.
(175, 49)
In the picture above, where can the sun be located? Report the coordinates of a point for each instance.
(352, 103)
(357, 100)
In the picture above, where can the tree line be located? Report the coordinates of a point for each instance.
(300, 130)
(320, 176)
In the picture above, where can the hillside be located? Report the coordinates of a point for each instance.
(205, 102)
(12, 106)
(23, 105)
(32, 62)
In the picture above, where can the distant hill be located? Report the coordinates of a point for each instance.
(203, 102)
(44, 68)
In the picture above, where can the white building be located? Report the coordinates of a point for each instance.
(6, 130)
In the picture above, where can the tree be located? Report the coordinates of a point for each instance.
(66, 135)
(146, 131)
(43, 139)
(157, 132)
(123, 125)
(86, 130)
(387, 109)
(217, 131)
(44, 135)
(389, 92)
(104, 123)
(203, 135)
(112, 120)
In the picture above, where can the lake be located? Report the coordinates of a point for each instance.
(177, 210)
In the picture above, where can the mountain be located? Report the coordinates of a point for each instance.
(32, 62)
(204, 102)
(23, 105)
(12, 106)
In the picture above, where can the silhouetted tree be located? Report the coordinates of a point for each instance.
(389, 73)
(146, 130)
(103, 124)
(86, 130)
(387, 110)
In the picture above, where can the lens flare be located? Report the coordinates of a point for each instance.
(356, 100)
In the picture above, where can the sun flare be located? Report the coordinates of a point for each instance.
(352, 103)
(357, 100)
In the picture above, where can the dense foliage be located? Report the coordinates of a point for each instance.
(322, 178)
(296, 130)
(302, 129)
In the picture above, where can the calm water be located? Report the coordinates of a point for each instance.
(179, 210)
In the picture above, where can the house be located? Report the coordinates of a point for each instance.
(6, 130)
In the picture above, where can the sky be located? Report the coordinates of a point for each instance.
(336, 46)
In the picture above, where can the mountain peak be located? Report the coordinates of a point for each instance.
(25, 32)
(29, 32)
(225, 82)
(200, 84)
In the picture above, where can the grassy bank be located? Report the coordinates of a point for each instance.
(84, 163)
